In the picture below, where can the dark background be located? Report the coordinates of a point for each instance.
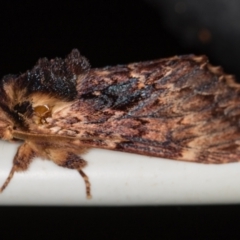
(109, 33)
(115, 32)
(192, 222)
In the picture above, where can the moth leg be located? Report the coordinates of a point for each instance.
(21, 162)
(72, 161)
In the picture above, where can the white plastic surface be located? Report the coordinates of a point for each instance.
(119, 179)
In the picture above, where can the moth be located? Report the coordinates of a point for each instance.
(179, 108)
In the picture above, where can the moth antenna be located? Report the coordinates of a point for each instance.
(87, 183)
(10, 176)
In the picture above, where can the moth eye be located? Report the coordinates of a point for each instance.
(42, 112)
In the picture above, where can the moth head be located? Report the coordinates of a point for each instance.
(31, 96)
(6, 126)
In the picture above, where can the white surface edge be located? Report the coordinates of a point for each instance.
(119, 179)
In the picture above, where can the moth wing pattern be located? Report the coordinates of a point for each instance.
(180, 108)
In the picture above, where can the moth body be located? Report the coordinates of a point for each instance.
(180, 108)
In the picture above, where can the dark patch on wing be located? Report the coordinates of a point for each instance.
(120, 96)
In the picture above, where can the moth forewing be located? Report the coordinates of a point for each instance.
(179, 108)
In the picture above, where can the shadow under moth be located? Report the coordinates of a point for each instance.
(180, 108)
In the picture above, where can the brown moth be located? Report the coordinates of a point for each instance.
(180, 108)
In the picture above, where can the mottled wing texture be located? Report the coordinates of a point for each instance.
(180, 108)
